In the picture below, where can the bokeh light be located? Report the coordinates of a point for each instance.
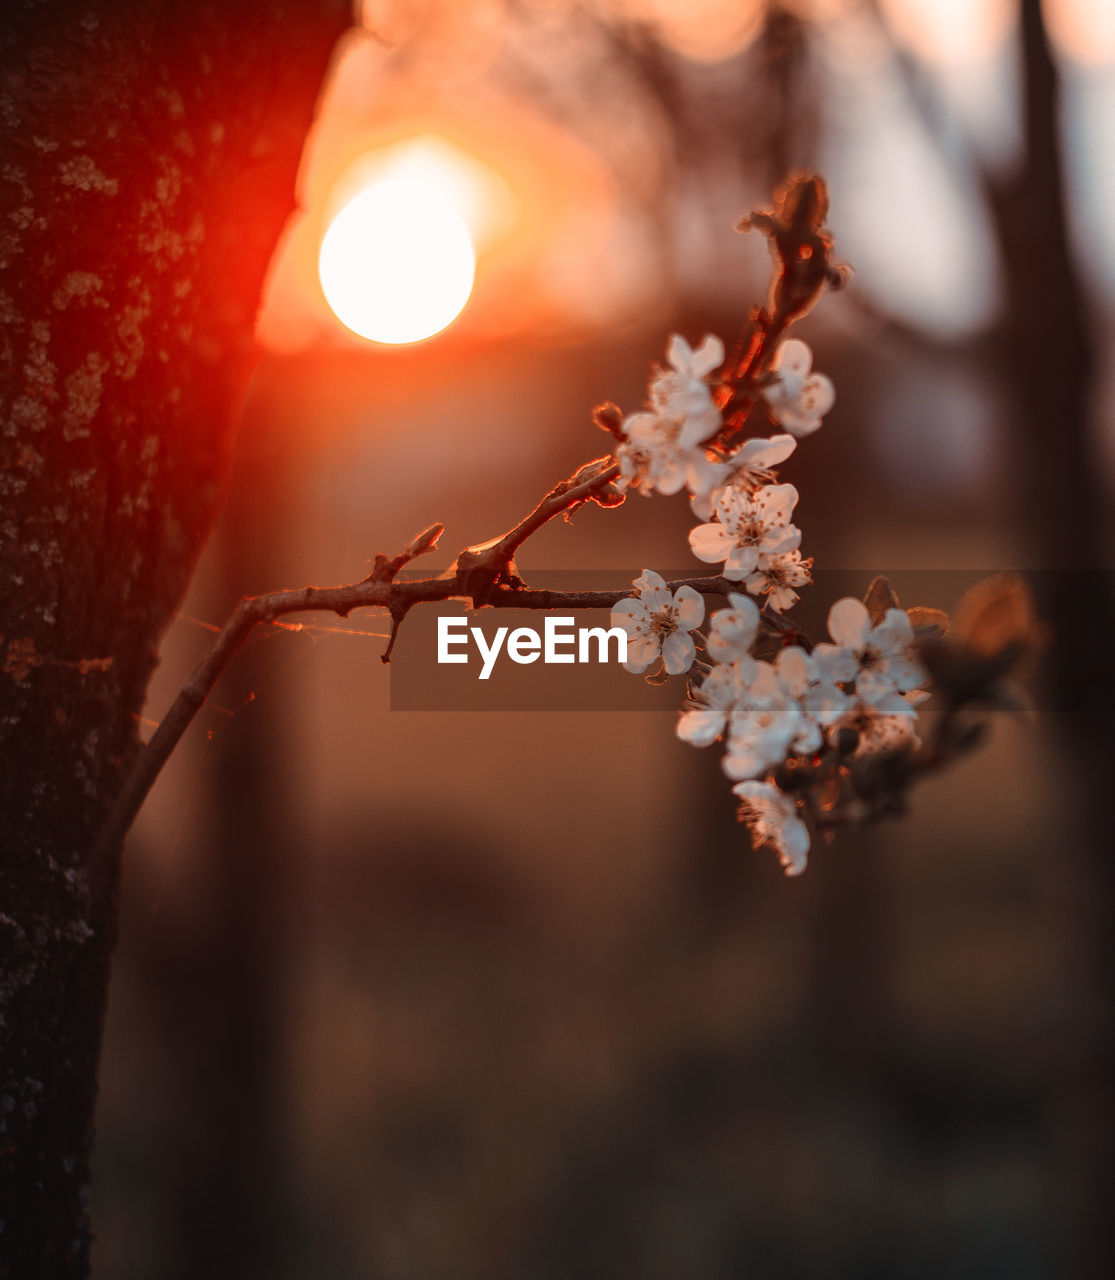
(1083, 30)
(951, 32)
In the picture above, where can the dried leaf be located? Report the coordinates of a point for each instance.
(996, 614)
(879, 598)
(928, 624)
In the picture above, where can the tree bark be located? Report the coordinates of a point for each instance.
(148, 161)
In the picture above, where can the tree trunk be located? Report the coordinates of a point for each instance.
(1049, 363)
(148, 163)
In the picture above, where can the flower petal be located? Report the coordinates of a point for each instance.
(818, 395)
(740, 562)
(779, 539)
(731, 504)
(629, 614)
(793, 356)
(701, 727)
(741, 761)
(894, 704)
(642, 428)
(702, 419)
(708, 356)
(710, 542)
(680, 354)
(703, 477)
(849, 622)
(671, 478)
(799, 423)
(873, 686)
(765, 452)
(895, 633)
(826, 703)
(836, 663)
(690, 606)
(782, 598)
(733, 632)
(754, 792)
(721, 688)
(765, 689)
(641, 652)
(777, 502)
(907, 673)
(795, 669)
(678, 651)
(653, 591)
(793, 847)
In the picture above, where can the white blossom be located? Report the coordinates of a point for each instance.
(751, 466)
(681, 394)
(749, 526)
(763, 726)
(732, 631)
(759, 739)
(650, 459)
(821, 700)
(773, 820)
(777, 576)
(768, 714)
(659, 623)
(798, 399)
(660, 450)
(779, 710)
(880, 659)
(714, 702)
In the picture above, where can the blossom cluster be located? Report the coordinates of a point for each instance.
(756, 685)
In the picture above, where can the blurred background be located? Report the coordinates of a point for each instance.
(451, 995)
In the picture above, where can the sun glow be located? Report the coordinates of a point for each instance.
(397, 262)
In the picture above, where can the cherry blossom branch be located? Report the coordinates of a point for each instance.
(479, 578)
(486, 575)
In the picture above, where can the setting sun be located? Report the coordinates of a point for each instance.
(397, 262)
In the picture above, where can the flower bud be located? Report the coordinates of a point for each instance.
(609, 417)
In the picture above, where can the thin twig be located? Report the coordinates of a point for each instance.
(590, 479)
(379, 590)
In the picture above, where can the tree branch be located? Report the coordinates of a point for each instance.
(379, 590)
(485, 574)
